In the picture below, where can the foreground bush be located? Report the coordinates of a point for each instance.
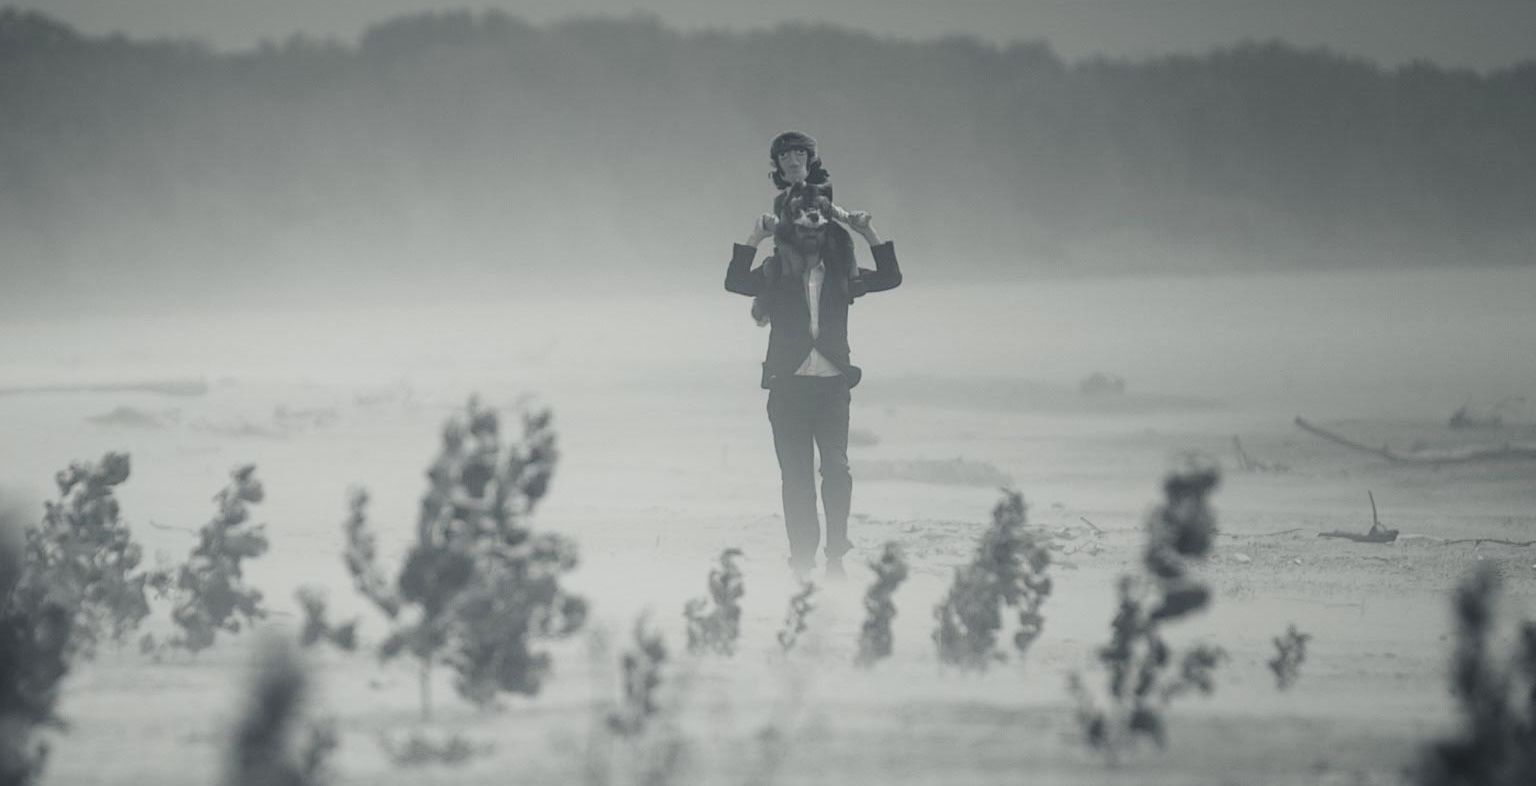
(478, 586)
(35, 633)
(801, 604)
(875, 638)
(714, 623)
(211, 594)
(642, 679)
(1009, 570)
(83, 558)
(272, 746)
(1144, 674)
(1496, 693)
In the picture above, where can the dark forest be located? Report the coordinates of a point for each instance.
(473, 152)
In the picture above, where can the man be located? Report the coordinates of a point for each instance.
(807, 372)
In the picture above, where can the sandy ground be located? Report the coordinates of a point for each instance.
(652, 497)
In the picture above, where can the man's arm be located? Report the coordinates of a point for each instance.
(740, 277)
(887, 273)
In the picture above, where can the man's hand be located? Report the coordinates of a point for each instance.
(862, 222)
(762, 229)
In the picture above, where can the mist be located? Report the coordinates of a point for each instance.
(1293, 280)
(458, 154)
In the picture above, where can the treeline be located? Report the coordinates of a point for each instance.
(474, 151)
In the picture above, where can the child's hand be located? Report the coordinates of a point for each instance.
(863, 223)
(763, 228)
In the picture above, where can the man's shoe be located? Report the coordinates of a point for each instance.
(835, 569)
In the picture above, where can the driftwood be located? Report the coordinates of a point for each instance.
(1248, 463)
(1500, 541)
(1508, 450)
(1262, 534)
(1374, 536)
(1377, 533)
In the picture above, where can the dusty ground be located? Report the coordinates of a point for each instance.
(652, 498)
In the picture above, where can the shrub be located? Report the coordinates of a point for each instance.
(1009, 569)
(1290, 652)
(317, 627)
(875, 639)
(82, 558)
(1144, 674)
(265, 751)
(642, 678)
(477, 584)
(1497, 698)
(800, 607)
(211, 594)
(34, 648)
(714, 623)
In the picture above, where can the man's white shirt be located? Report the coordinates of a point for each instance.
(816, 364)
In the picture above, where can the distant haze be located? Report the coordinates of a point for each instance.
(465, 155)
(1478, 34)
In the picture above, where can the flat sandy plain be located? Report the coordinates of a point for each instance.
(667, 460)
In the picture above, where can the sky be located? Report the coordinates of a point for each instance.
(1483, 34)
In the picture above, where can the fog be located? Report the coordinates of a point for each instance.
(464, 156)
(1397, 344)
(309, 254)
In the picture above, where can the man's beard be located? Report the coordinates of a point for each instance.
(807, 241)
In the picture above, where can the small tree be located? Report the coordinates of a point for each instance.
(82, 558)
(211, 594)
(1009, 569)
(1496, 694)
(317, 624)
(270, 746)
(1290, 652)
(34, 648)
(477, 584)
(714, 623)
(875, 638)
(642, 678)
(1144, 673)
(800, 607)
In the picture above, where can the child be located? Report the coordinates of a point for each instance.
(795, 163)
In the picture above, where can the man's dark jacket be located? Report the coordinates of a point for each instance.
(789, 339)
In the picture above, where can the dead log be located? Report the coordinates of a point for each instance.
(1500, 541)
(1248, 463)
(1506, 451)
(1376, 534)
(1261, 534)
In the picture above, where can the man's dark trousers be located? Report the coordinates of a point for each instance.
(806, 411)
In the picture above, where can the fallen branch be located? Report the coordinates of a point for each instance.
(1500, 541)
(1248, 463)
(1092, 525)
(1262, 534)
(1377, 533)
(1508, 450)
(1374, 536)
